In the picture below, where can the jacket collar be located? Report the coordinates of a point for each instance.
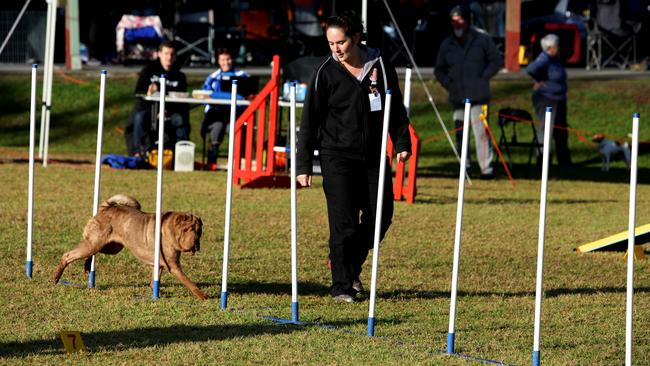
(373, 56)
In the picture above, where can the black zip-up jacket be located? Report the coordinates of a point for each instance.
(175, 82)
(336, 118)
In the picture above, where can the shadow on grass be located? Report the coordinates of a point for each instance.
(415, 294)
(506, 201)
(120, 340)
(592, 291)
(580, 171)
(49, 161)
(277, 288)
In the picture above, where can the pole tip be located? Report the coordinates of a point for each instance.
(234, 81)
(388, 92)
(549, 109)
(163, 76)
(34, 66)
(468, 101)
(104, 72)
(292, 84)
(636, 115)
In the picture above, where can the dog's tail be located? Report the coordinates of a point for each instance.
(120, 200)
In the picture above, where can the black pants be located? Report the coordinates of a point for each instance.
(558, 120)
(351, 191)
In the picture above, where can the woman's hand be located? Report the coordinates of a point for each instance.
(538, 85)
(403, 156)
(304, 180)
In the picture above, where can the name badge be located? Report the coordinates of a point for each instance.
(375, 102)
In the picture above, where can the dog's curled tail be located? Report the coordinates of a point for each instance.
(120, 200)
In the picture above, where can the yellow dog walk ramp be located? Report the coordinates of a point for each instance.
(618, 242)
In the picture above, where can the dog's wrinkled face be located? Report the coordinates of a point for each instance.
(188, 229)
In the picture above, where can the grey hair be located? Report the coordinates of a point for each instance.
(549, 40)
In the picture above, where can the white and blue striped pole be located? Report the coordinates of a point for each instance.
(98, 166)
(231, 167)
(30, 182)
(459, 225)
(294, 213)
(548, 130)
(630, 241)
(378, 215)
(161, 153)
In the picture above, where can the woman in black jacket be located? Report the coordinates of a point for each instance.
(342, 119)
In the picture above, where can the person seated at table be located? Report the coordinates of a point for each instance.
(217, 117)
(139, 134)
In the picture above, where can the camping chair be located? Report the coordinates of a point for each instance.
(611, 39)
(514, 118)
(195, 31)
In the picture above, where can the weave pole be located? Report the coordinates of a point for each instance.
(540, 238)
(48, 63)
(294, 211)
(378, 216)
(407, 91)
(159, 176)
(459, 226)
(47, 108)
(98, 165)
(630, 241)
(231, 168)
(30, 182)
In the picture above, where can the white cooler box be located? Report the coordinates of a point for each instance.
(184, 156)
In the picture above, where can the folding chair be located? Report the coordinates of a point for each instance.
(514, 118)
(611, 40)
(198, 42)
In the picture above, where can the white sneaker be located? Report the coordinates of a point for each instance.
(344, 298)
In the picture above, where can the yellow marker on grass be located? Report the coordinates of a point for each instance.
(72, 341)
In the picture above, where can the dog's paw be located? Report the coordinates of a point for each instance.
(200, 295)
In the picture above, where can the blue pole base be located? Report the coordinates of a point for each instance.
(535, 358)
(294, 312)
(224, 300)
(156, 290)
(371, 326)
(28, 269)
(91, 279)
(450, 343)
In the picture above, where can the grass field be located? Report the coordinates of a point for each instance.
(583, 320)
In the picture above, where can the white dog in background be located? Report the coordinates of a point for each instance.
(610, 150)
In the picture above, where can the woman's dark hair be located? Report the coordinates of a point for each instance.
(223, 51)
(349, 21)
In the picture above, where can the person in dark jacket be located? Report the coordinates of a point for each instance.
(466, 62)
(550, 90)
(342, 118)
(138, 133)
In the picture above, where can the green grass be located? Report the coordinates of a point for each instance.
(583, 320)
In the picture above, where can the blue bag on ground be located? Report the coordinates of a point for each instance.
(125, 162)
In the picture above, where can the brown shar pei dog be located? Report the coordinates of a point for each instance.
(119, 223)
